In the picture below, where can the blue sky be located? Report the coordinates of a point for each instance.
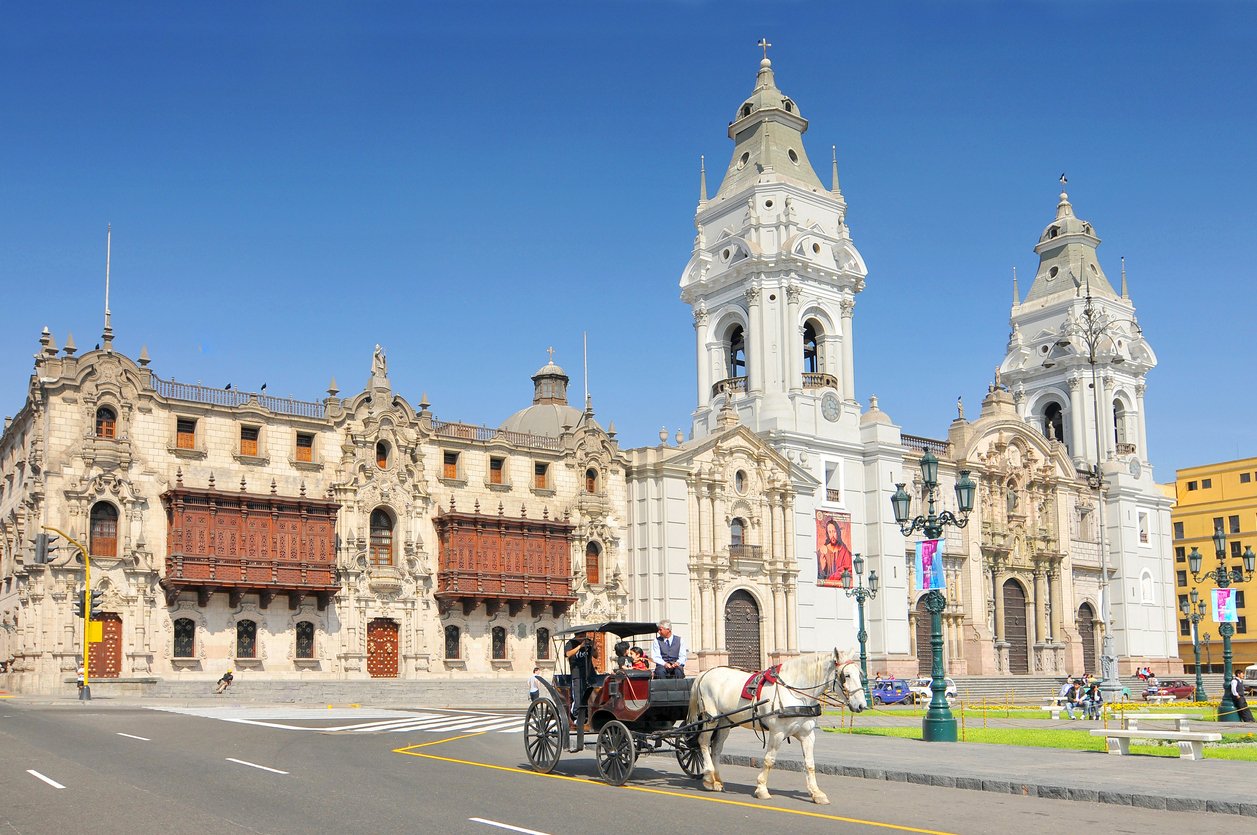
(469, 183)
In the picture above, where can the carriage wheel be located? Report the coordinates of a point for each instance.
(543, 738)
(616, 753)
(689, 756)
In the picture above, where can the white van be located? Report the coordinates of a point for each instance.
(1250, 680)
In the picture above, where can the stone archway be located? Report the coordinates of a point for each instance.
(742, 627)
(1015, 631)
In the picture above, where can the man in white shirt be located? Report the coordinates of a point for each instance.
(1242, 709)
(667, 651)
(534, 684)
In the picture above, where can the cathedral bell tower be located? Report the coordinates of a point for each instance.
(772, 281)
(1076, 351)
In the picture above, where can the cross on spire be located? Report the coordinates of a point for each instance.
(764, 44)
(550, 351)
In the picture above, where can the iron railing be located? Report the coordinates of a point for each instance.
(483, 434)
(197, 393)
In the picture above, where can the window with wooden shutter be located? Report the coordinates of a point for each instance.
(381, 537)
(593, 563)
(450, 469)
(305, 447)
(591, 480)
(106, 423)
(185, 433)
(103, 541)
(381, 455)
(539, 476)
(249, 440)
(497, 470)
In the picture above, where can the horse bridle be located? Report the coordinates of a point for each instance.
(834, 685)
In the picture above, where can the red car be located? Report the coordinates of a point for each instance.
(1177, 688)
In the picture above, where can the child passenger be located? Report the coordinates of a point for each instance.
(637, 659)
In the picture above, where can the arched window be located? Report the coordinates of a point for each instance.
(543, 644)
(103, 539)
(811, 360)
(305, 639)
(1119, 422)
(185, 638)
(453, 642)
(1054, 422)
(106, 423)
(381, 537)
(746, 110)
(381, 455)
(737, 352)
(591, 480)
(246, 639)
(593, 563)
(737, 532)
(499, 643)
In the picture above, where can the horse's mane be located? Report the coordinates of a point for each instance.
(806, 669)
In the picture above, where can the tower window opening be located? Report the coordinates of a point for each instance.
(737, 352)
(811, 360)
(591, 480)
(381, 455)
(737, 532)
(1054, 422)
(746, 110)
(1119, 422)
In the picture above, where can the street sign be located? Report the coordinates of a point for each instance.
(95, 632)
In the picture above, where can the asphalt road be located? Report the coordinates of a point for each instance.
(127, 770)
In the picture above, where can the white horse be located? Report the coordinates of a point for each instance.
(802, 682)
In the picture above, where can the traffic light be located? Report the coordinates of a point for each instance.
(45, 544)
(96, 593)
(80, 602)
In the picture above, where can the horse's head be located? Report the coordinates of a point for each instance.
(847, 681)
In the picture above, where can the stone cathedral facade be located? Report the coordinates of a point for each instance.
(360, 536)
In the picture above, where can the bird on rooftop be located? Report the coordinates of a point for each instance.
(227, 387)
(264, 387)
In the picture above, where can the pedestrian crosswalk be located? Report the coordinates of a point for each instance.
(360, 720)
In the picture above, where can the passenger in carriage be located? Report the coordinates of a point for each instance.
(637, 659)
(580, 655)
(668, 652)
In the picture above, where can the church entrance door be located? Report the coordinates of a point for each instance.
(105, 657)
(382, 648)
(1015, 628)
(742, 631)
(1087, 635)
(925, 650)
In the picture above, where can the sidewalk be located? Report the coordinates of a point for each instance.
(1223, 786)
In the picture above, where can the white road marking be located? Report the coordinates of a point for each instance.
(384, 720)
(255, 765)
(133, 736)
(47, 780)
(501, 825)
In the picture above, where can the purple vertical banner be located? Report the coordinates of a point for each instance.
(929, 565)
(1224, 606)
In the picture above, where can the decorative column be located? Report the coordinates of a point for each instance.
(1040, 609)
(998, 591)
(792, 635)
(754, 336)
(1077, 432)
(847, 306)
(700, 351)
(794, 329)
(1142, 452)
(779, 614)
(1058, 605)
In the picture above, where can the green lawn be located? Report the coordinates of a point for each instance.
(972, 710)
(1068, 739)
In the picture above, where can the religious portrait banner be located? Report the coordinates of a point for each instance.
(1224, 606)
(929, 564)
(833, 548)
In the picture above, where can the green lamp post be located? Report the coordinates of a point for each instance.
(861, 593)
(939, 725)
(1195, 613)
(1222, 578)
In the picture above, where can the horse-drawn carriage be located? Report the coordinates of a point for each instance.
(630, 712)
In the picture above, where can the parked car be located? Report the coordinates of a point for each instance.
(1177, 688)
(921, 689)
(892, 691)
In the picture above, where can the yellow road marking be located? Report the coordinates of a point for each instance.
(410, 751)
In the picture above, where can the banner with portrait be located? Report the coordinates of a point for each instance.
(833, 548)
(929, 565)
(1224, 606)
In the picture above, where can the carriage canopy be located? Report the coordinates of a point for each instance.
(619, 628)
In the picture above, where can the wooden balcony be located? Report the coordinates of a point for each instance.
(243, 543)
(501, 561)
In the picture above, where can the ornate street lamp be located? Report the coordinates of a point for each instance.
(1222, 578)
(1195, 613)
(861, 593)
(939, 725)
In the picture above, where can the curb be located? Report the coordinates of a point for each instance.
(1024, 789)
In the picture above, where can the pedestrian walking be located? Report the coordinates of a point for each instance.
(534, 684)
(1242, 710)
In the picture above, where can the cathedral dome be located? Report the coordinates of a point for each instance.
(549, 411)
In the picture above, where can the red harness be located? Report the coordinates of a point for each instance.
(756, 682)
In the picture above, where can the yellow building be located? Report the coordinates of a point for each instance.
(1210, 497)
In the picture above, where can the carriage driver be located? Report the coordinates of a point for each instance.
(668, 652)
(580, 656)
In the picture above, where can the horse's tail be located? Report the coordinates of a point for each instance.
(695, 698)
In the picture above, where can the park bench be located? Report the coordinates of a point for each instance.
(1191, 745)
(1130, 721)
(1160, 700)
